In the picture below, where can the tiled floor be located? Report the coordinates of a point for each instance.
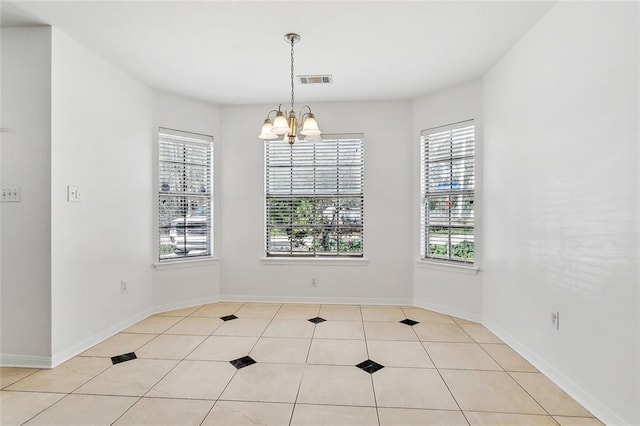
(438, 371)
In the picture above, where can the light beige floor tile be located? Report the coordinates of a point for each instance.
(223, 348)
(339, 330)
(184, 312)
(340, 312)
(412, 388)
(156, 411)
(121, 343)
(411, 417)
(423, 315)
(9, 375)
(289, 328)
(18, 407)
(200, 326)
(505, 419)
(195, 380)
(337, 352)
(169, 347)
(549, 395)
(328, 384)
(382, 313)
(258, 310)
(386, 330)
(466, 356)
(480, 334)
(84, 410)
(65, 377)
(131, 378)
(281, 350)
(236, 413)
(314, 415)
(578, 421)
(399, 354)
(155, 324)
(436, 332)
(265, 383)
(242, 327)
(508, 358)
(303, 312)
(217, 310)
(489, 391)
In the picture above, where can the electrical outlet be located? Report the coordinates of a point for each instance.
(11, 194)
(555, 319)
(314, 282)
(123, 286)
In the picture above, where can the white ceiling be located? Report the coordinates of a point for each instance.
(233, 52)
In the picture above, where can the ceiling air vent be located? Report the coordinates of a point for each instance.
(315, 79)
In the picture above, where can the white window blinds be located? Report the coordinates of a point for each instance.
(314, 197)
(447, 191)
(185, 194)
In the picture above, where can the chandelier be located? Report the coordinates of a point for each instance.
(288, 127)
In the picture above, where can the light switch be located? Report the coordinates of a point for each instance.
(73, 194)
(11, 194)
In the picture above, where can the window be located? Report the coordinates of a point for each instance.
(184, 194)
(314, 197)
(447, 191)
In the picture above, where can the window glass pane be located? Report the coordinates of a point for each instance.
(314, 201)
(447, 191)
(185, 194)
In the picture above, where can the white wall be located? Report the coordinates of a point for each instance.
(451, 290)
(560, 197)
(25, 153)
(102, 142)
(386, 277)
(199, 282)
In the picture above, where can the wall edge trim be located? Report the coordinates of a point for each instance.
(68, 353)
(318, 299)
(448, 310)
(25, 361)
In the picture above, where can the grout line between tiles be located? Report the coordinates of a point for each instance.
(442, 378)
(527, 392)
(366, 345)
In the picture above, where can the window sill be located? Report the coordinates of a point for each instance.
(314, 261)
(186, 263)
(441, 266)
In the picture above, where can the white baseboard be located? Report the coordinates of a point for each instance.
(581, 396)
(448, 310)
(22, 361)
(185, 304)
(326, 300)
(68, 353)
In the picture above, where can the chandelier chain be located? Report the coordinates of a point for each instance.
(292, 89)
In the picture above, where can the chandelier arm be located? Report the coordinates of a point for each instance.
(306, 113)
(269, 113)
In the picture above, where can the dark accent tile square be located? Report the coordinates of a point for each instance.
(122, 358)
(228, 318)
(317, 320)
(370, 366)
(245, 361)
(409, 322)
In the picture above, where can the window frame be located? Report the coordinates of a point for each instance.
(189, 200)
(337, 197)
(453, 194)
